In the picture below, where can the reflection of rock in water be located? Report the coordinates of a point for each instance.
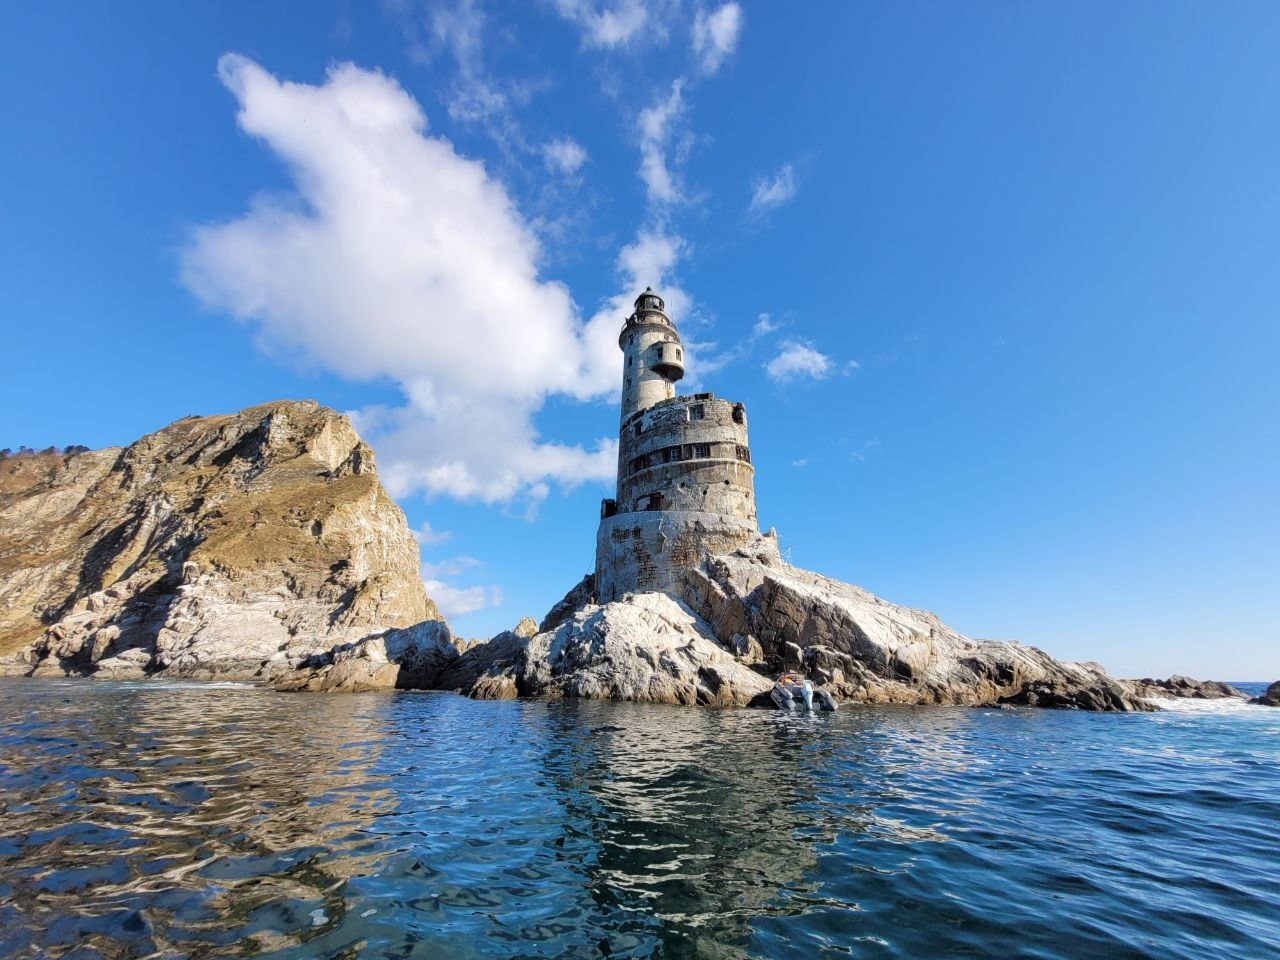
(693, 840)
(179, 818)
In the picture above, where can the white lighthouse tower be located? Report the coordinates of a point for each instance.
(653, 355)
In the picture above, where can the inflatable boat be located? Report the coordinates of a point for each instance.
(793, 691)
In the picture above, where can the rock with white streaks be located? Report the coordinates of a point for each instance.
(229, 546)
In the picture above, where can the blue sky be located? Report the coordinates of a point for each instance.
(998, 283)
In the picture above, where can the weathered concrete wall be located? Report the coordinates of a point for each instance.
(638, 552)
(688, 453)
(686, 487)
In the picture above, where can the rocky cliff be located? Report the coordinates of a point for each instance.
(224, 546)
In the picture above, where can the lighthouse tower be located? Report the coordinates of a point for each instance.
(685, 481)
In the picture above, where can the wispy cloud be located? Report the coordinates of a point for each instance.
(656, 124)
(429, 536)
(609, 24)
(796, 360)
(715, 35)
(764, 325)
(772, 192)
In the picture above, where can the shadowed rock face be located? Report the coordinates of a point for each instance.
(224, 546)
(1271, 698)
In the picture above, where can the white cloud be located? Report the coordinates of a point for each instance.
(796, 359)
(429, 536)
(564, 155)
(771, 192)
(398, 258)
(608, 24)
(764, 325)
(453, 567)
(715, 35)
(454, 601)
(458, 601)
(655, 131)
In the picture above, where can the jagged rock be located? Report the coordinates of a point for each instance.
(1179, 686)
(646, 647)
(1271, 698)
(526, 628)
(225, 546)
(864, 649)
(410, 658)
(578, 597)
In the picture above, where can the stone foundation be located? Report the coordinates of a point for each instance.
(644, 552)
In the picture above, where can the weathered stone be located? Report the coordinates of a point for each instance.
(862, 648)
(646, 647)
(226, 546)
(1179, 686)
(1271, 698)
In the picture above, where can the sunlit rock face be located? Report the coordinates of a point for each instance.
(222, 546)
(865, 649)
(647, 647)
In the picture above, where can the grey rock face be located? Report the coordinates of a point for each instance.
(1271, 698)
(411, 658)
(1180, 686)
(864, 649)
(647, 647)
(230, 546)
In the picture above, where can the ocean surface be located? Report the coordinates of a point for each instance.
(199, 820)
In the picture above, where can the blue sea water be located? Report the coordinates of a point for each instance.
(157, 819)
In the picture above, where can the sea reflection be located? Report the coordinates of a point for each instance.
(183, 820)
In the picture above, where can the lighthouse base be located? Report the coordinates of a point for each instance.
(651, 550)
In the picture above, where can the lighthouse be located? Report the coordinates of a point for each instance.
(685, 486)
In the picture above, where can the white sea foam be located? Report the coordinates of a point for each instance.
(1195, 705)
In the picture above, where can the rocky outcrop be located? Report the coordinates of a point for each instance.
(1271, 698)
(412, 658)
(1180, 686)
(742, 618)
(647, 648)
(225, 546)
(864, 649)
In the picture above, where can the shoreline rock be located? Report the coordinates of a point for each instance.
(1184, 687)
(1271, 698)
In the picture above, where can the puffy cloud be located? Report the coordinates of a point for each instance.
(796, 359)
(396, 257)
(564, 155)
(607, 24)
(771, 192)
(715, 35)
(656, 124)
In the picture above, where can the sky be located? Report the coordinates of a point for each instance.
(997, 282)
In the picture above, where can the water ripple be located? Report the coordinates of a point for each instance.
(183, 820)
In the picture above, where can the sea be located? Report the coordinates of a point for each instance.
(164, 819)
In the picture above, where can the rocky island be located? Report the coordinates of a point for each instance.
(262, 546)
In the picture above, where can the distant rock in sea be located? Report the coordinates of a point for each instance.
(1180, 686)
(1271, 698)
(231, 546)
